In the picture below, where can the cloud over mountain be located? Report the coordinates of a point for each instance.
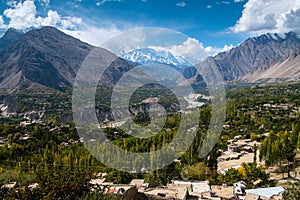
(269, 16)
(24, 15)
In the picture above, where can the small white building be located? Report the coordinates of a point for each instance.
(266, 193)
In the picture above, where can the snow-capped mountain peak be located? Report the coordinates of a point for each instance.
(275, 37)
(156, 56)
(270, 36)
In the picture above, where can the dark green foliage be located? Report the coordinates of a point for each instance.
(54, 184)
(252, 173)
(279, 147)
(198, 171)
(248, 173)
(65, 184)
(292, 193)
(232, 176)
(119, 177)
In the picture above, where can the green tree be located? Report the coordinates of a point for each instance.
(292, 193)
(280, 146)
(198, 171)
(252, 173)
(232, 176)
(65, 184)
(290, 147)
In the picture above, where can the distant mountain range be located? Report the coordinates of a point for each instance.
(41, 58)
(285, 70)
(48, 58)
(154, 56)
(256, 55)
(12, 35)
(163, 57)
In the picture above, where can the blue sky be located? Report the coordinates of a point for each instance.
(216, 24)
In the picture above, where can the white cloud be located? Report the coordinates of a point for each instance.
(11, 3)
(260, 16)
(100, 3)
(191, 49)
(70, 22)
(23, 15)
(52, 18)
(181, 4)
(209, 6)
(222, 2)
(238, 1)
(93, 35)
(74, 4)
(212, 51)
(44, 2)
(2, 25)
(291, 20)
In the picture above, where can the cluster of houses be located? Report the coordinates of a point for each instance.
(180, 190)
(241, 193)
(188, 190)
(238, 151)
